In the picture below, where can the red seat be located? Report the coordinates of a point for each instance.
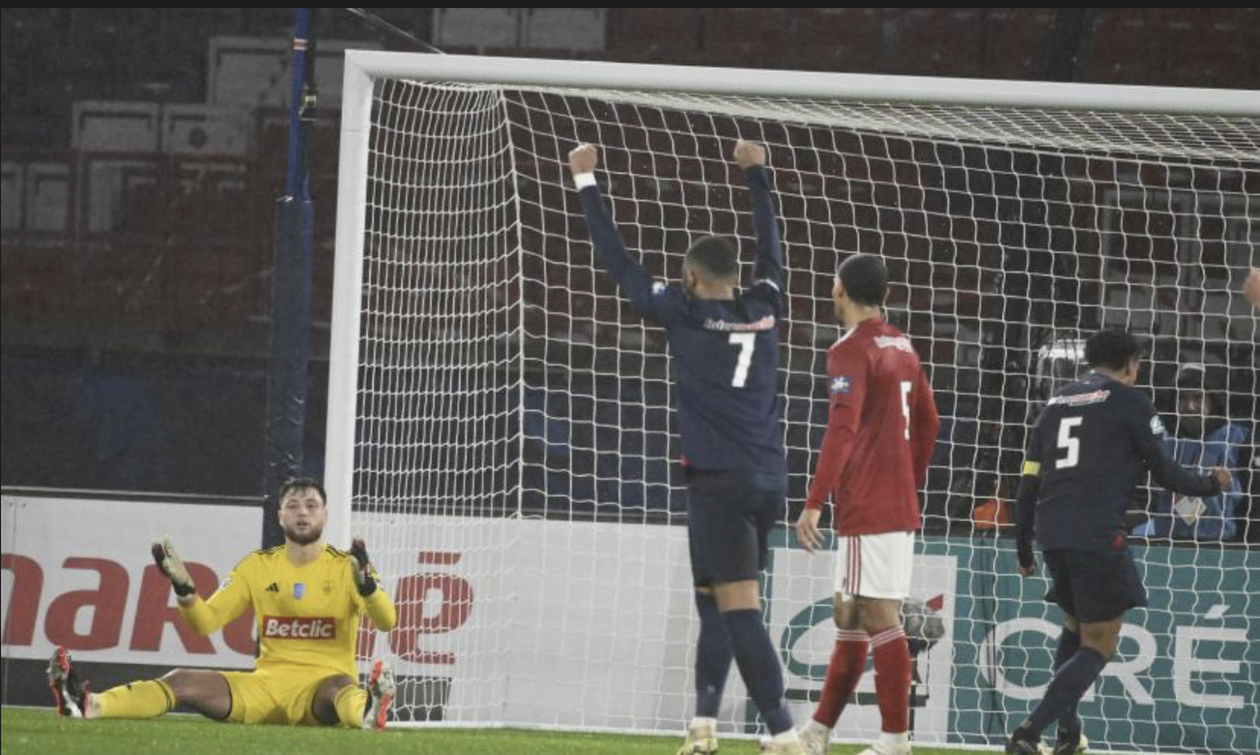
(843, 40)
(654, 34)
(1017, 43)
(1213, 48)
(747, 37)
(1121, 50)
(36, 282)
(933, 40)
(126, 279)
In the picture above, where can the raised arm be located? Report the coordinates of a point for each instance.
(205, 617)
(379, 608)
(223, 607)
(751, 158)
(651, 299)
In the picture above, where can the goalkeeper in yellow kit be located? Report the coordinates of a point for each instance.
(307, 599)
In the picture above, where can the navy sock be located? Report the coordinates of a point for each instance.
(1067, 687)
(713, 657)
(1069, 643)
(759, 666)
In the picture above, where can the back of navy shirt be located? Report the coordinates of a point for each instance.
(726, 352)
(1093, 444)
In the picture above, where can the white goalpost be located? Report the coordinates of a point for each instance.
(500, 426)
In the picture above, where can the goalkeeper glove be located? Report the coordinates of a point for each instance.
(172, 566)
(364, 574)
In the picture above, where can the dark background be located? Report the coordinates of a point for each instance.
(135, 334)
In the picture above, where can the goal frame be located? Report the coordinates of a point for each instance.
(363, 67)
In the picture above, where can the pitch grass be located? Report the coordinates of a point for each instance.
(27, 730)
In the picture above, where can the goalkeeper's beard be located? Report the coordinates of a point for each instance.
(313, 533)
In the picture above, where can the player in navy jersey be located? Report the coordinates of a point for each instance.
(881, 430)
(725, 345)
(1091, 447)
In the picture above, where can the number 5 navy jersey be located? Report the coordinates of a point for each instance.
(1091, 447)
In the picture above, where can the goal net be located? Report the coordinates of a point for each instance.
(500, 420)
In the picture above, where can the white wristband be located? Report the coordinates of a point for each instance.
(582, 180)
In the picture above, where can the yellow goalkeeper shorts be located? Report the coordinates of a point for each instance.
(275, 696)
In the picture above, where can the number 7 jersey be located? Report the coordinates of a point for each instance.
(726, 364)
(726, 352)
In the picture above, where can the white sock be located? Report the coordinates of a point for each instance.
(814, 727)
(91, 709)
(703, 723)
(894, 741)
(786, 737)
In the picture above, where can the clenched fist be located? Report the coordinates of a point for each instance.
(748, 154)
(583, 158)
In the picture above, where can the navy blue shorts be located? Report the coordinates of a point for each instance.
(1094, 585)
(729, 519)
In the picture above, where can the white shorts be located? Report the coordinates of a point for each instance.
(875, 566)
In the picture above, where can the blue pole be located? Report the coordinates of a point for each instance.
(290, 308)
(295, 182)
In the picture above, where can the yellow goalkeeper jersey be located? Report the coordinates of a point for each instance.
(306, 616)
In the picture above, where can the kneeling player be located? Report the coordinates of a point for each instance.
(307, 597)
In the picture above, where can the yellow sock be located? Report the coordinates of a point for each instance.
(350, 702)
(135, 700)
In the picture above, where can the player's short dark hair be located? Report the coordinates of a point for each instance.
(1112, 348)
(865, 279)
(714, 257)
(294, 484)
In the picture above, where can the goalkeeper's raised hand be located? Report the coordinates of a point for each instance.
(172, 566)
(364, 574)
